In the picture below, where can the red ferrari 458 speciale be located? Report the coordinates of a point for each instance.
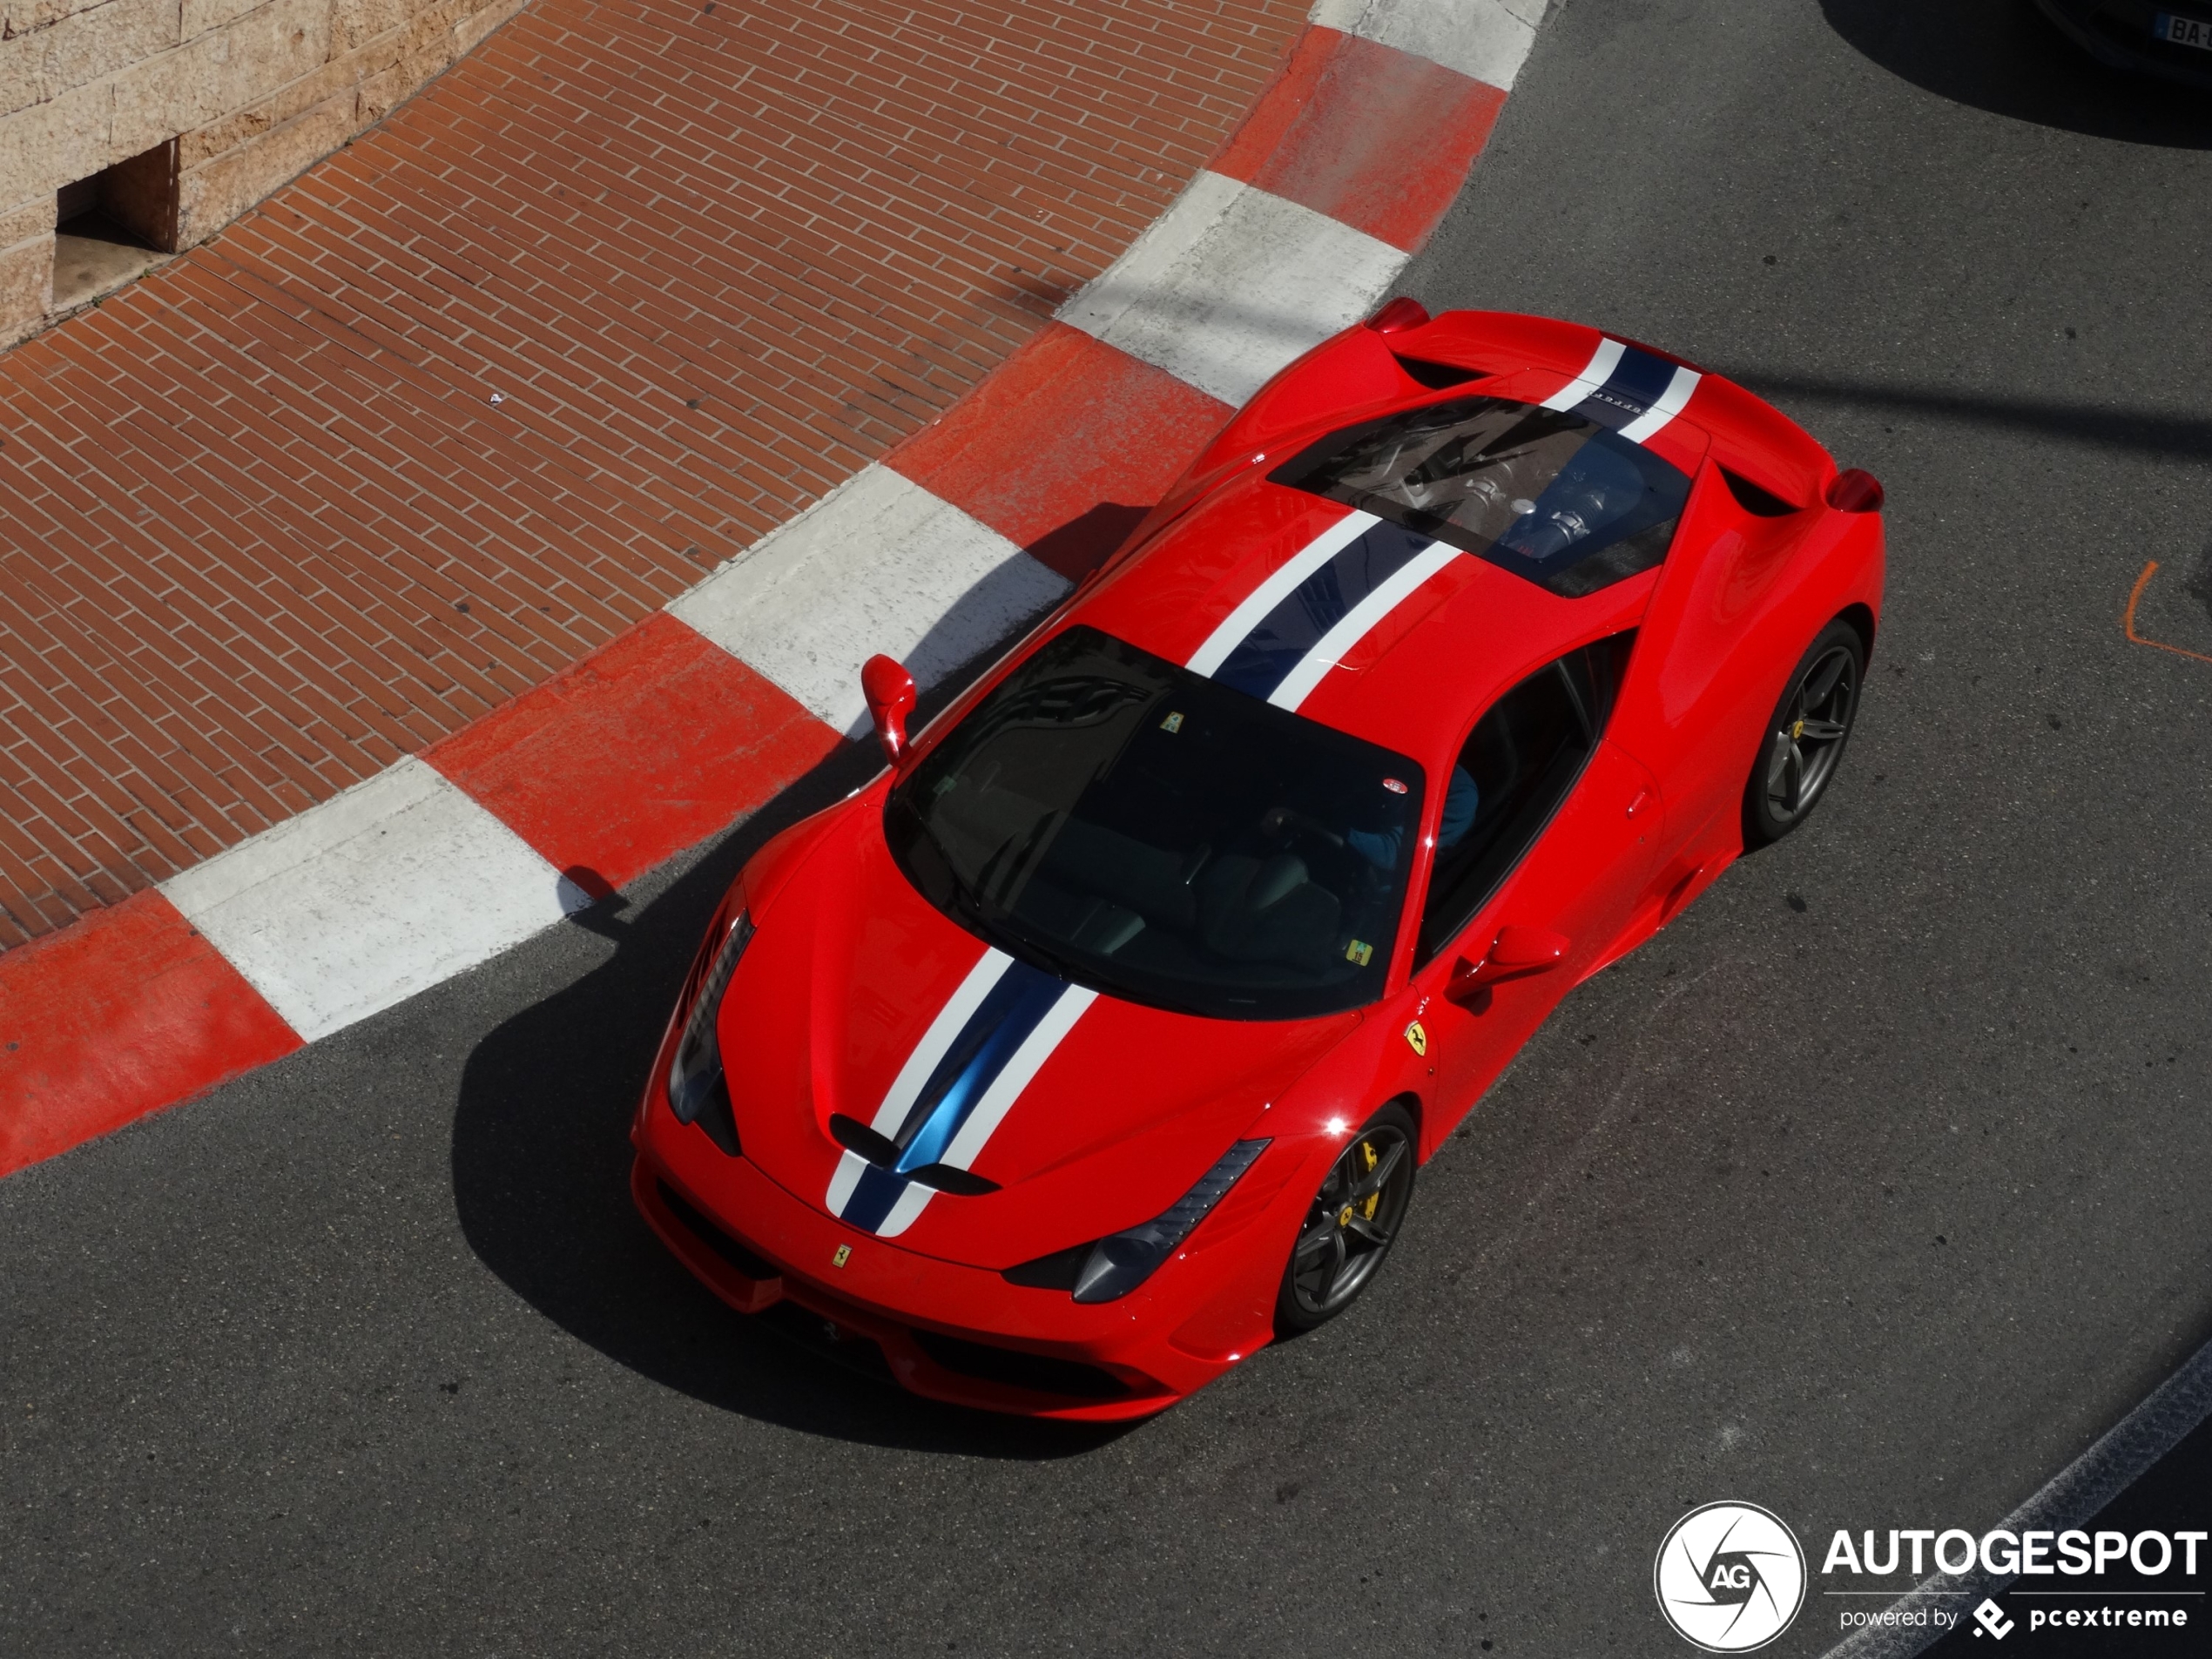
(1096, 1042)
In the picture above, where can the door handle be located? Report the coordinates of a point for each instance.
(1516, 953)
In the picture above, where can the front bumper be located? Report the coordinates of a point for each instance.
(963, 1334)
(2118, 32)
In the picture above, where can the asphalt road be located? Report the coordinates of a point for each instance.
(1872, 1191)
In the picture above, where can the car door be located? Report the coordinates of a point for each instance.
(1526, 897)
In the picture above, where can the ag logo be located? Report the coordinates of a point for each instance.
(1730, 1577)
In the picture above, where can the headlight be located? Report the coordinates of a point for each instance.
(1119, 1263)
(697, 1090)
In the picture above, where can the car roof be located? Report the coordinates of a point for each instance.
(1471, 626)
(1470, 630)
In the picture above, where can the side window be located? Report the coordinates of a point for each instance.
(1517, 765)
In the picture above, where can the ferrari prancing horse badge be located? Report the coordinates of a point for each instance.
(1416, 1038)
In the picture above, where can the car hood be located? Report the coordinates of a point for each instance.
(1090, 1113)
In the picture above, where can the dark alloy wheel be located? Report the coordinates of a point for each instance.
(1807, 737)
(1349, 1226)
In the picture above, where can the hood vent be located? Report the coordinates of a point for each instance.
(882, 1152)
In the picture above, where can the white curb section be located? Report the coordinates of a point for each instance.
(878, 565)
(1486, 39)
(360, 902)
(1230, 284)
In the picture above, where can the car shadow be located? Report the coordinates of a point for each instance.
(2081, 422)
(2005, 57)
(541, 1164)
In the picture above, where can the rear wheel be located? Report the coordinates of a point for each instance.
(1352, 1222)
(1806, 738)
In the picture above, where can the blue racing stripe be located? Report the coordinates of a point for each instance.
(1000, 1024)
(1265, 658)
(872, 1200)
(1636, 384)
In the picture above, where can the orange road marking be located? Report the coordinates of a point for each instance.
(2128, 618)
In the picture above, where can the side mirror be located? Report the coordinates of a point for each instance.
(1516, 953)
(1855, 491)
(890, 693)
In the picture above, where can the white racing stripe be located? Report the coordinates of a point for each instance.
(998, 1100)
(878, 565)
(358, 903)
(851, 1166)
(1604, 361)
(1277, 588)
(959, 1009)
(1671, 404)
(899, 1098)
(1026, 1062)
(1331, 647)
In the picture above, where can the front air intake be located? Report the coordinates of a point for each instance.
(1039, 1373)
(753, 1267)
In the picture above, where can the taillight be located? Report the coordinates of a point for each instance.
(1401, 314)
(1855, 491)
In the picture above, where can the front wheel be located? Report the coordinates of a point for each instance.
(1351, 1224)
(1806, 738)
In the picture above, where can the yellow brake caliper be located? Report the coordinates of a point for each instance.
(1374, 1199)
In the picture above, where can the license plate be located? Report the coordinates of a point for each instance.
(2182, 32)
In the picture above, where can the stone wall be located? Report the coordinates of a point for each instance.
(189, 111)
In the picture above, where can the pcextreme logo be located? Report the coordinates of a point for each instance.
(1730, 1577)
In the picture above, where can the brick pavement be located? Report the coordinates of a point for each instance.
(263, 529)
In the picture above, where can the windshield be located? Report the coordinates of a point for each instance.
(1543, 493)
(1143, 830)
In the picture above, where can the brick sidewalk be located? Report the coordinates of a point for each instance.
(263, 529)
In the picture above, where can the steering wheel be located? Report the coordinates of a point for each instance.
(1278, 821)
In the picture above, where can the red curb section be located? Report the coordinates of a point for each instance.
(661, 739)
(649, 745)
(1374, 137)
(1064, 448)
(125, 1013)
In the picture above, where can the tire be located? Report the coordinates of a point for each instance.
(1803, 741)
(1352, 1222)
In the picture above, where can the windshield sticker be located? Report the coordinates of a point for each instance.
(1173, 723)
(1396, 786)
(1360, 952)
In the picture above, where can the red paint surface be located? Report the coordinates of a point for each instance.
(1376, 138)
(653, 744)
(124, 1014)
(1064, 448)
(851, 967)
